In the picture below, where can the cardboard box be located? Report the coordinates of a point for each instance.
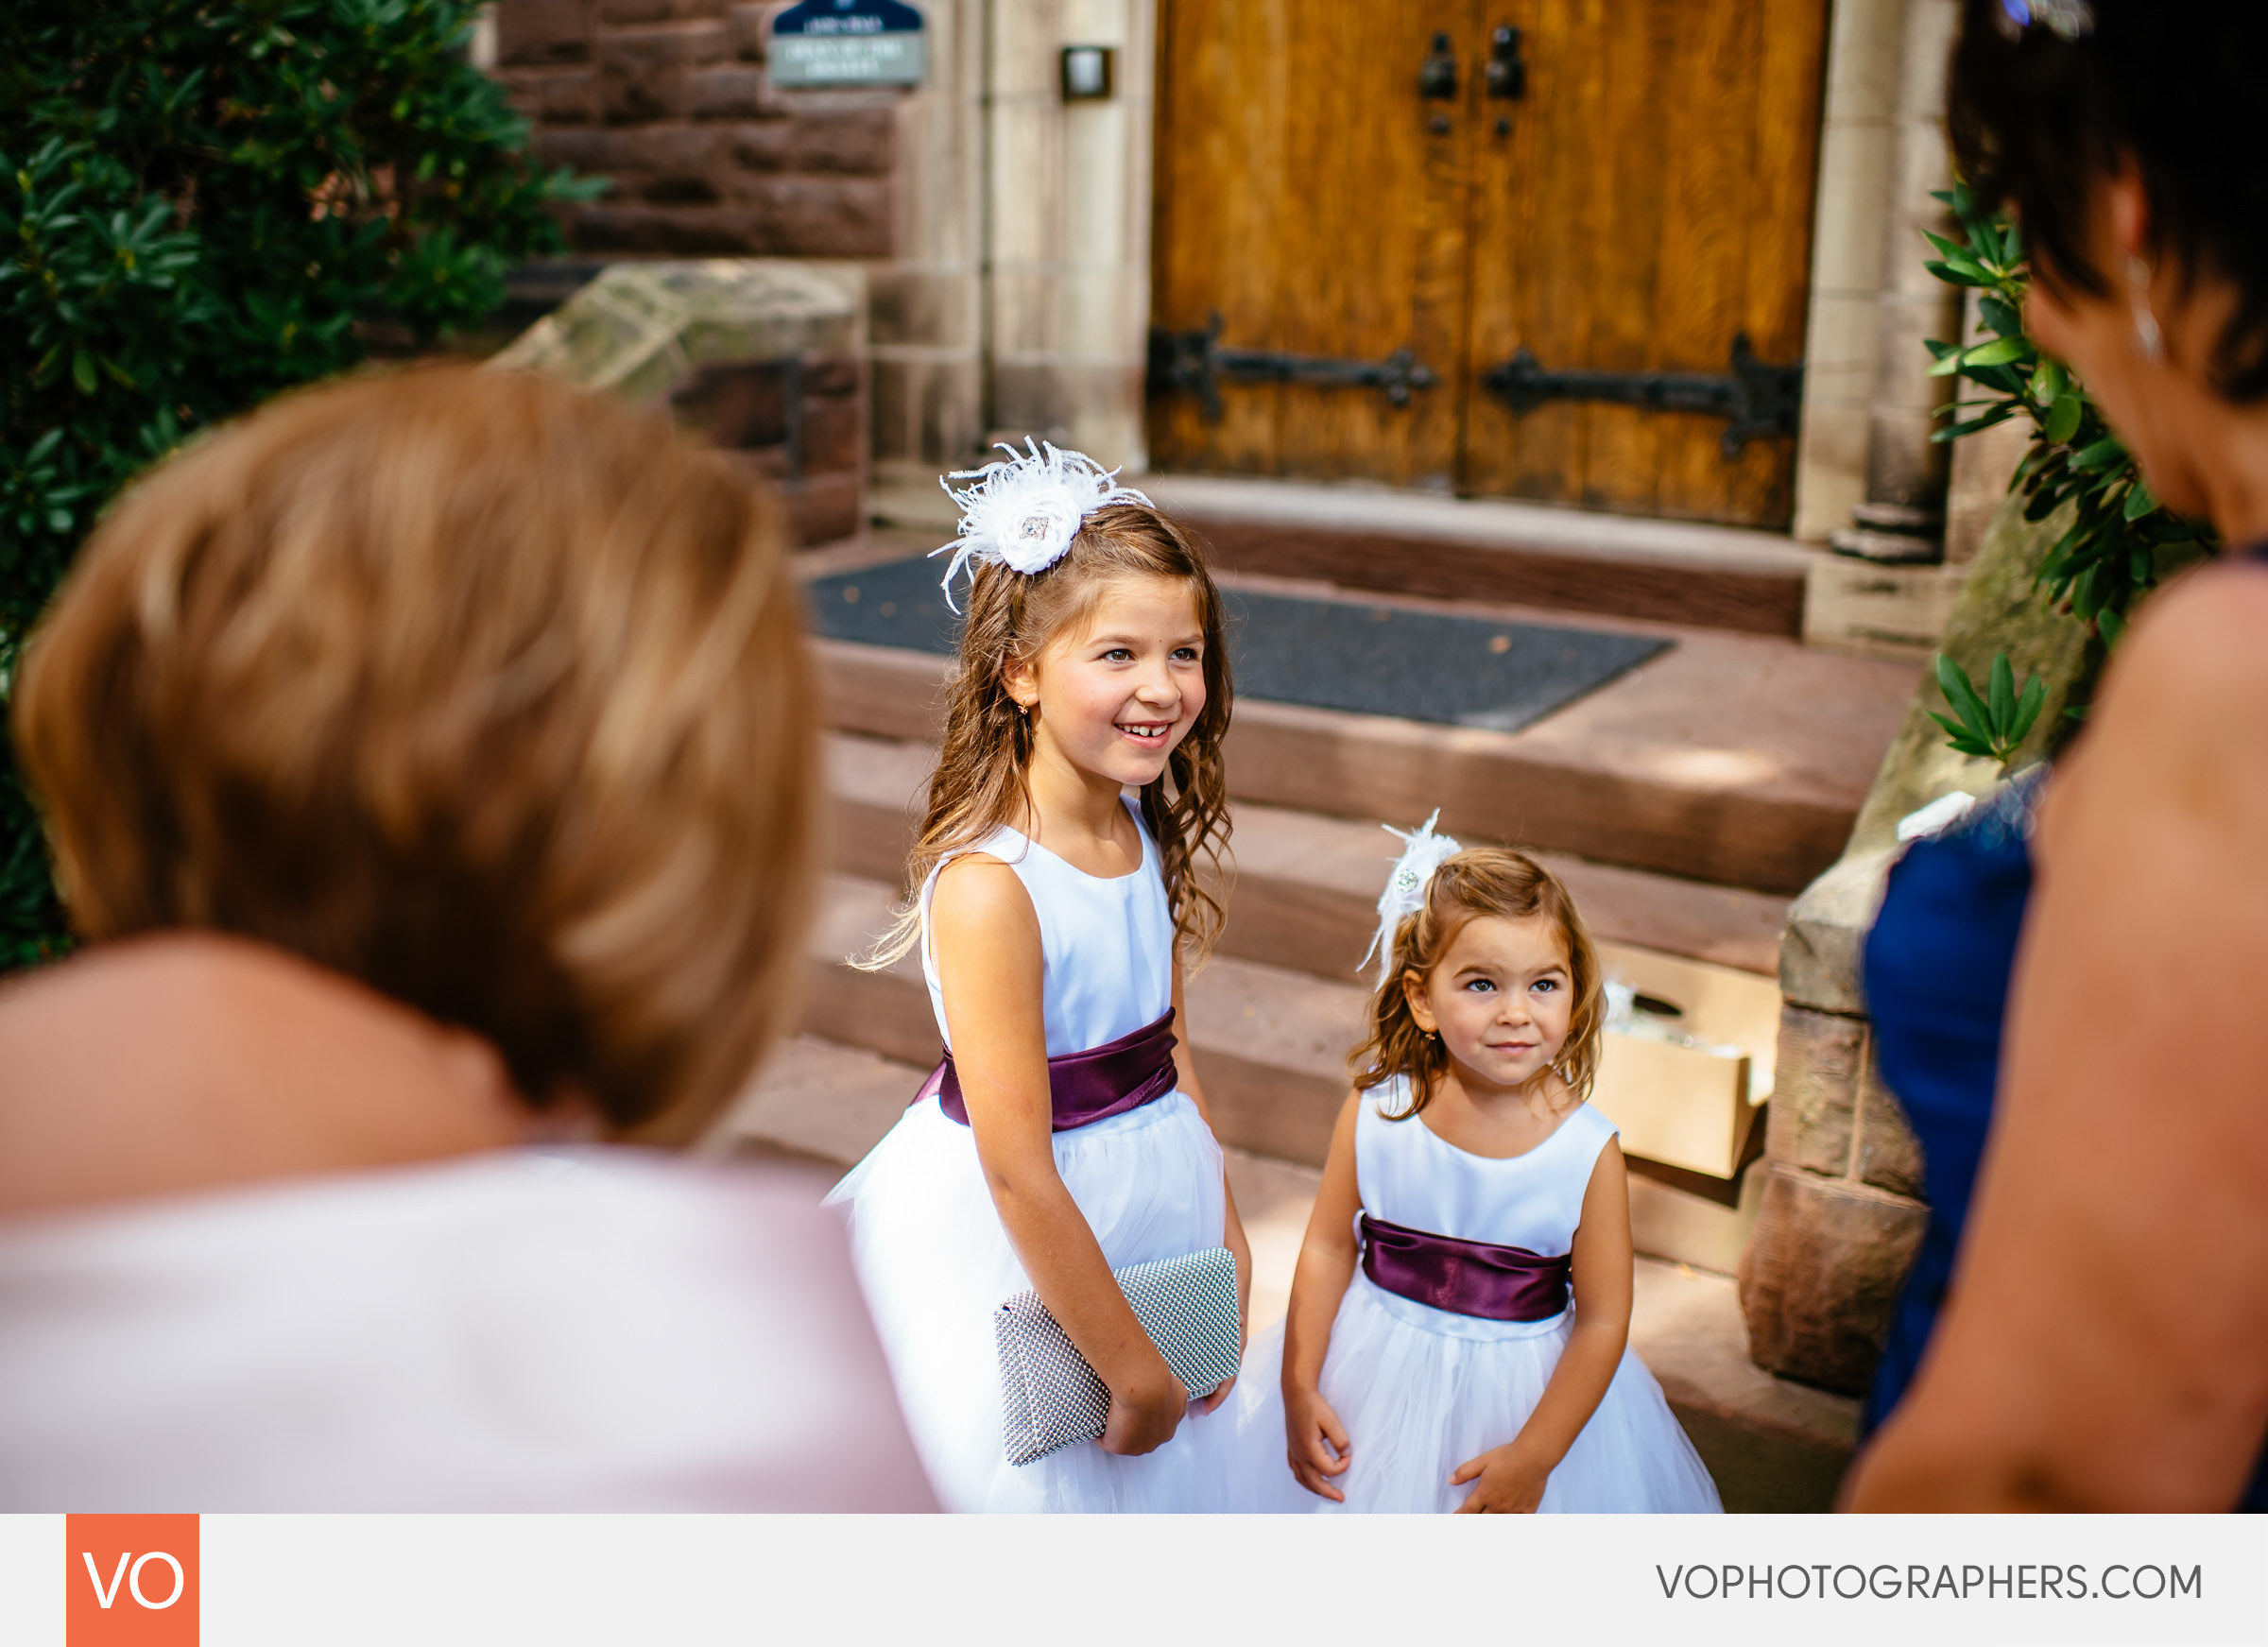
(1690, 1107)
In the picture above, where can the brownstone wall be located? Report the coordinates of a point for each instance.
(670, 99)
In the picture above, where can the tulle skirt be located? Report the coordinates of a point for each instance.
(935, 1264)
(1421, 1390)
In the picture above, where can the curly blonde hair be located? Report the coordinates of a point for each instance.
(1477, 882)
(979, 781)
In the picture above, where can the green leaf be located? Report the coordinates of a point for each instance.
(1954, 681)
(1999, 314)
(2027, 710)
(2102, 455)
(82, 371)
(2000, 692)
(2063, 418)
(2139, 502)
(1999, 352)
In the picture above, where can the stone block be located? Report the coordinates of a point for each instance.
(831, 374)
(532, 32)
(1821, 1277)
(861, 139)
(639, 328)
(636, 11)
(751, 30)
(646, 73)
(713, 338)
(1889, 1156)
(834, 435)
(739, 405)
(810, 217)
(1819, 953)
(759, 147)
(718, 231)
(1815, 1090)
(824, 508)
(524, 90)
(925, 308)
(731, 91)
(570, 99)
(677, 166)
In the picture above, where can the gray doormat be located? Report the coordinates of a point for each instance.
(1345, 654)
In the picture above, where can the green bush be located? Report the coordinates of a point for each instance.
(203, 202)
(2121, 540)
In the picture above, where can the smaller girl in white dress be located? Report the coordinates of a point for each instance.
(1054, 892)
(1459, 1322)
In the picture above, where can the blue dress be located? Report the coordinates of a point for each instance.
(1937, 967)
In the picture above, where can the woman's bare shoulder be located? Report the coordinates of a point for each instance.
(2203, 641)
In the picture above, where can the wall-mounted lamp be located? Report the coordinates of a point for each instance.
(1086, 73)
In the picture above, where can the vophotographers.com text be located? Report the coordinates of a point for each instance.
(2023, 1581)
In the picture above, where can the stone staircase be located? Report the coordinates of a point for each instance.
(1682, 803)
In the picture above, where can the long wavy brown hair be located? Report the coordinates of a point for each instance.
(1478, 881)
(979, 782)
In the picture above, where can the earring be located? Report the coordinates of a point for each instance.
(2149, 342)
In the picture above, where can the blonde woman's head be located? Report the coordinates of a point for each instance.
(479, 689)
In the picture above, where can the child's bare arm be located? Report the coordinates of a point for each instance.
(1512, 1477)
(1316, 1441)
(986, 941)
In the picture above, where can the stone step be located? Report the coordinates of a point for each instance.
(1772, 1445)
(1466, 549)
(1304, 888)
(1727, 759)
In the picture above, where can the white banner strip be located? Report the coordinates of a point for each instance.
(283, 1581)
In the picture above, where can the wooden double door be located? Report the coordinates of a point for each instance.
(1425, 189)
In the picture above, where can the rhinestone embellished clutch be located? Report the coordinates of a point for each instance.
(1050, 1398)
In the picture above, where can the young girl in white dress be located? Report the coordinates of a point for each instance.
(1052, 896)
(1438, 1353)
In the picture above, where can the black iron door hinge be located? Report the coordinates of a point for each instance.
(1762, 399)
(1194, 363)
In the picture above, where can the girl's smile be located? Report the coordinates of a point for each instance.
(1114, 699)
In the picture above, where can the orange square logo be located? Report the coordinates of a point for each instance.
(131, 1581)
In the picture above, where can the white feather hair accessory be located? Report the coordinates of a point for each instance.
(1023, 512)
(1405, 888)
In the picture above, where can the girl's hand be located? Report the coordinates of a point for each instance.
(1511, 1482)
(1145, 1409)
(1315, 1443)
(1220, 1394)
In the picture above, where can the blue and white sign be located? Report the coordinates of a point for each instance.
(848, 43)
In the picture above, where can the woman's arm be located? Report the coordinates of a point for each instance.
(1319, 1281)
(1512, 1477)
(2105, 1343)
(1232, 1226)
(985, 938)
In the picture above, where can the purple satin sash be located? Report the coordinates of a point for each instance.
(1470, 1277)
(1084, 1088)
